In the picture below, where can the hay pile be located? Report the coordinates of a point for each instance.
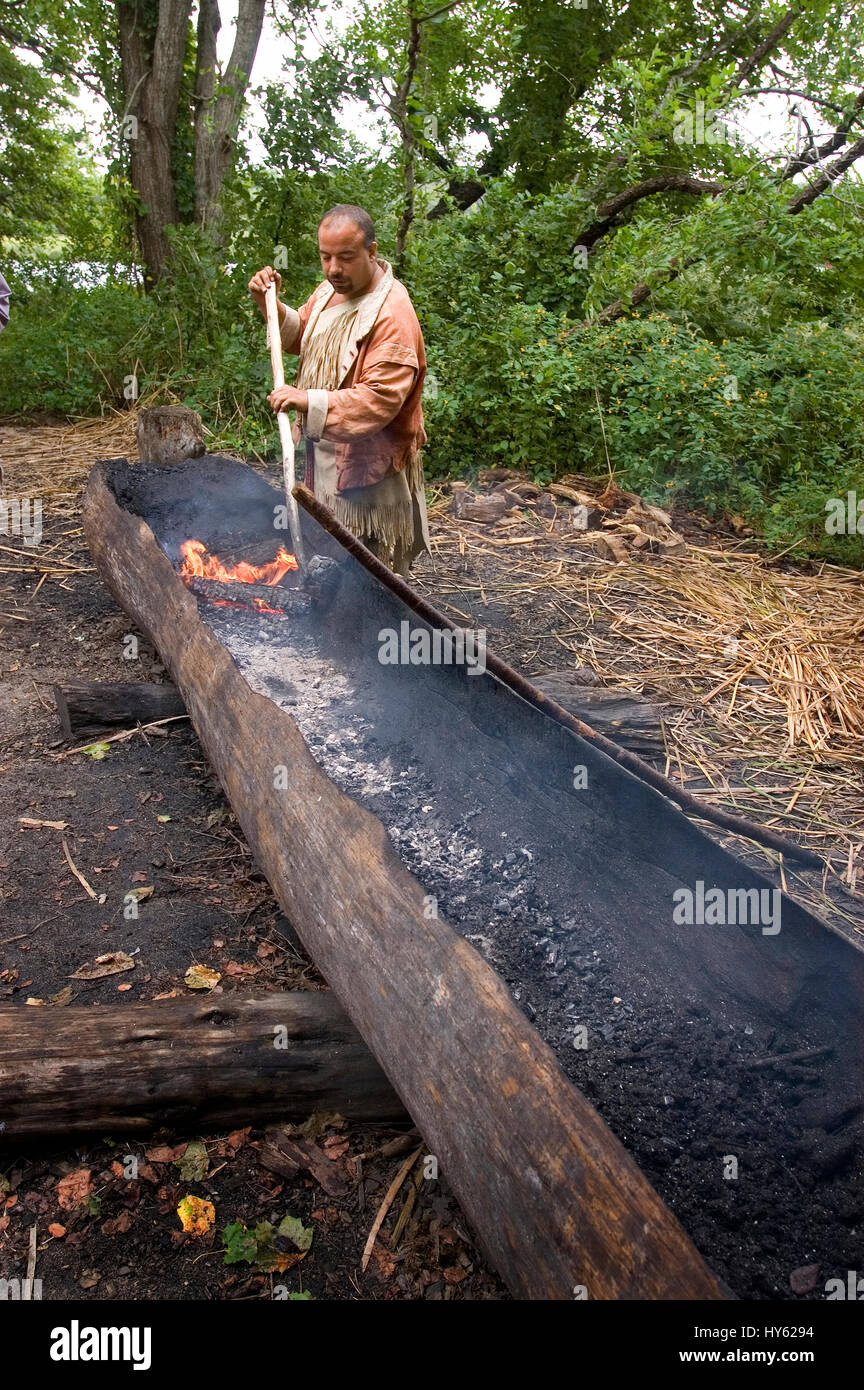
(53, 461)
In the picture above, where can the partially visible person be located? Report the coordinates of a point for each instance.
(5, 296)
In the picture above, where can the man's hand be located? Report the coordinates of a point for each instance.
(289, 398)
(259, 283)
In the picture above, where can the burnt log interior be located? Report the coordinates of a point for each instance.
(559, 866)
(205, 1062)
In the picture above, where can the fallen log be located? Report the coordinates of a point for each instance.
(630, 721)
(86, 707)
(555, 1199)
(207, 1062)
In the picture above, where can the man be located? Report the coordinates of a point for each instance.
(359, 388)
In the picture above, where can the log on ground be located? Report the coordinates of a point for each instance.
(202, 1062)
(87, 707)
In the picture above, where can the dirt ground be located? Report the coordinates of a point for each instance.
(151, 816)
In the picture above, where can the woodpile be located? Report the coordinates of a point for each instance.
(602, 518)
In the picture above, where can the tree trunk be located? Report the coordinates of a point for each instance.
(217, 114)
(168, 434)
(153, 41)
(153, 38)
(208, 1061)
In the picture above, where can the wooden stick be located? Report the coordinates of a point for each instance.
(385, 1206)
(274, 340)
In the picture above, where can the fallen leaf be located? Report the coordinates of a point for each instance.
(162, 1153)
(114, 963)
(194, 1163)
(292, 1228)
(384, 1260)
(74, 1189)
(201, 977)
(163, 819)
(118, 1225)
(139, 895)
(235, 968)
(196, 1215)
(97, 750)
(56, 1230)
(122, 988)
(89, 1279)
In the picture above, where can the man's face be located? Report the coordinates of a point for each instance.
(346, 262)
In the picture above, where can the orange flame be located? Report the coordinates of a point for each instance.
(197, 564)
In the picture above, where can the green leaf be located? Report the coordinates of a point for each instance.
(240, 1244)
(194, 1163)
(97, 750)
(293, 1229)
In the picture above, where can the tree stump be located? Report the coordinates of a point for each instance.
(168, 434)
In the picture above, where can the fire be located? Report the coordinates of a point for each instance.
(197, 564)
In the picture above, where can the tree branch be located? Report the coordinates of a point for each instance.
(826, 178)
(831, 146)
(761, 51)
(609, 214)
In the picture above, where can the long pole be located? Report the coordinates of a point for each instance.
(274, 341)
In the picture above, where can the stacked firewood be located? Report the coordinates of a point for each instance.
(608, 521)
